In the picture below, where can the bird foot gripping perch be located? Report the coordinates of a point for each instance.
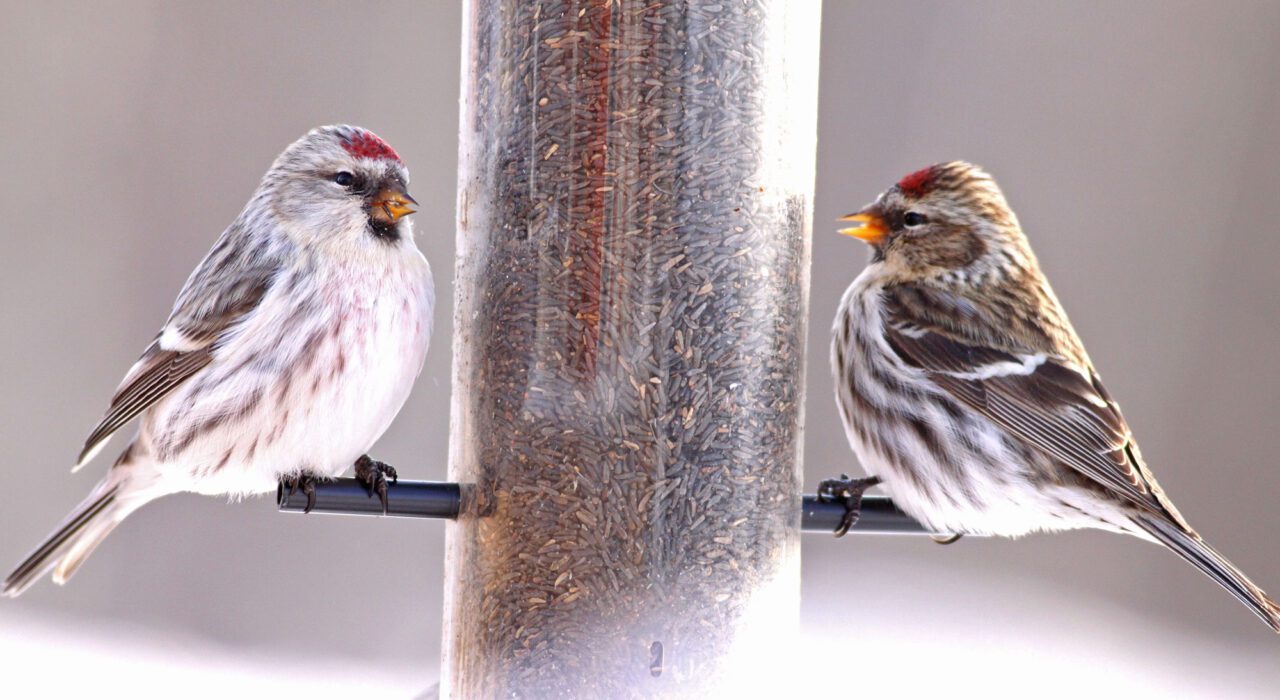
(370, 474)
(304, 482)
(373, 475)
(849, 492)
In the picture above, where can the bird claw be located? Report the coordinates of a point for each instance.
(849, 492)
(307, 483)
(373, 475)
(946, 539)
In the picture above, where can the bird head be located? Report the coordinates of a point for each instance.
(945, 222)
(341, 181)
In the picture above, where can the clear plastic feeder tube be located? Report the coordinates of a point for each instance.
(634, 211)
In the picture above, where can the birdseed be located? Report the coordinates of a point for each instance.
(630, 334)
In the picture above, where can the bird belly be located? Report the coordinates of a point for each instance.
(994, 491)
(295, 396)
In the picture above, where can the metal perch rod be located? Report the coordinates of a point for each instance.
(438, 499)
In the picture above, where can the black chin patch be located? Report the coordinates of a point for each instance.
(387, 233)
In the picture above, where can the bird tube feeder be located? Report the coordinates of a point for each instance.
(634, 209)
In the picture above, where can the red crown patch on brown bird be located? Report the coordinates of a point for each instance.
(917, 183)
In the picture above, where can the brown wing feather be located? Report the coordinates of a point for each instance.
(158, 372)
(229, 283)
(1056, 407)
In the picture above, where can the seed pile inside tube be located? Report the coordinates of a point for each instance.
(630, 329)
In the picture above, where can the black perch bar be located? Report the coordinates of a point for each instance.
(405, 499)
(438, 499)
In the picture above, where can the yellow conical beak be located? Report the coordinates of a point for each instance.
(390, 204)
(870, 228)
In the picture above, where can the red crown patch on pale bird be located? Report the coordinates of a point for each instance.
(365, 145)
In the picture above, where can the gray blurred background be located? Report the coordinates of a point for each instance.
(1137, 141)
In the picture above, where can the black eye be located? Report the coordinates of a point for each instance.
(344, 178)
(914, 218)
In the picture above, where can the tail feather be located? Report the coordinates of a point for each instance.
(82, 548)
(1190, 546)
(73, 540)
